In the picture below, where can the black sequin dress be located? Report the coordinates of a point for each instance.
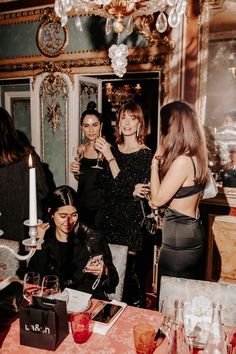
(123, 214)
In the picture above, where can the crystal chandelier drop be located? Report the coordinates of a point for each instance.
(120, 16)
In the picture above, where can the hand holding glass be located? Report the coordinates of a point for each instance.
(78, 155)
(31, 286)
(100, 158)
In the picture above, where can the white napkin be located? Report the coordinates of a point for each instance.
(78, 301)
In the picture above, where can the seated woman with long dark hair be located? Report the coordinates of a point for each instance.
(68, 246)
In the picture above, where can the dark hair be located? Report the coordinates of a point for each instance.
(91, 111)
(11, 148)
(62, 196)
(182, 134)
(135, 110)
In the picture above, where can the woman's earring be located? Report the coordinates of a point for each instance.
(137, 132)
(120, 130)
(82, 135)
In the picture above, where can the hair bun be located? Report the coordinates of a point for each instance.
(91, 105)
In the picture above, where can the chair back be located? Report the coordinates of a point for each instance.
(119, 258)
(8, 263)
(201, 294)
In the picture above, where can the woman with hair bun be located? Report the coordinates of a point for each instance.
(90, 193)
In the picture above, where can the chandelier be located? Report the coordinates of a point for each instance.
(118, 95)
(120, 16)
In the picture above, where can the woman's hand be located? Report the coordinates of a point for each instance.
(41, 229)
(103, 146)
(75, 167)
(141, 190)
(158, 154)
(96, 269)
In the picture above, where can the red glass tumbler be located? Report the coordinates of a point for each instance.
(81, 324)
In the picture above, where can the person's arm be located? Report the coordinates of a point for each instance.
(75, 165)
(163, 191)
(40, 260)
(103, 146)
(42, 187)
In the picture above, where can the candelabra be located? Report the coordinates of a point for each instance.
(31, 243)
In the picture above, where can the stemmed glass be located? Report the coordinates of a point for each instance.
(148, 197)
(100, 158)
(51, 287)
(31, 286)
(78, 155)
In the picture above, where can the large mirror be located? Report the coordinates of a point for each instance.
(221, 90)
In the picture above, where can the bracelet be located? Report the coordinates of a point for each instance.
(112, 159)
(154, 165)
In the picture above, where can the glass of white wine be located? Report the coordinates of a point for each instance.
(31, 286)
(78, 154)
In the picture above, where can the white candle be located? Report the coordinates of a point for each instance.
(32, 194)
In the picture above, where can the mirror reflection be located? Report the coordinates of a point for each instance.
(221, 92)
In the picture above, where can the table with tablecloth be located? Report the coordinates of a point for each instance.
(119, 339)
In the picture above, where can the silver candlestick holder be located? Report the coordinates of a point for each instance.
(31, 243)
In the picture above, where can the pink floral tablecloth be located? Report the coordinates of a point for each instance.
(119, 338)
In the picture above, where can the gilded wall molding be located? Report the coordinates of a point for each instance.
(154, 62)
(52, 38)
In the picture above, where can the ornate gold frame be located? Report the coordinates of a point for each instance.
(53, 46)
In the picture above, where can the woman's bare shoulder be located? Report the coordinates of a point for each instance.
(182, 161)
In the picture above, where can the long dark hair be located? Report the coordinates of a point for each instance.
(182, 134)
(62, 196)
(11, 148)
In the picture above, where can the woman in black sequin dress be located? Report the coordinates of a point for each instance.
(90, 192)
(126, 168)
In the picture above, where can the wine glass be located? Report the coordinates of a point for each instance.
(51, 287)
(148, 197)
(78, 154)
(100, 158)
(31, 286)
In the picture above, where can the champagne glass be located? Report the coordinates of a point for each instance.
(78, 154)
(100, 158)
(148, 197)
(31, 286)
(51, 287)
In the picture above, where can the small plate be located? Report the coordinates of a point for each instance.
(81, 309)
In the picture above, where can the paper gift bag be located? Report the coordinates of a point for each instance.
(43, 324)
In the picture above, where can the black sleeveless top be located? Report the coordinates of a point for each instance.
(188, 191)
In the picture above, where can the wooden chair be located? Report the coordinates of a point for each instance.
(119, 258)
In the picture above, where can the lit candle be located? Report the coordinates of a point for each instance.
(32, 194)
